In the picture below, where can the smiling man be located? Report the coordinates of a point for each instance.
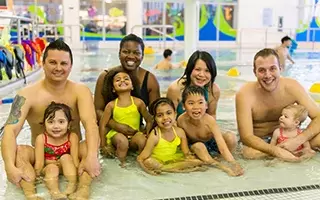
(259, 105)
(30, 104)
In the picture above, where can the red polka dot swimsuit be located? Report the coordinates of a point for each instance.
(283, 138)
(53, 152)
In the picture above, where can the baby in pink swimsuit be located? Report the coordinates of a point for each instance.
(290, 120)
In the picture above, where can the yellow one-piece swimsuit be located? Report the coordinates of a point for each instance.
(166, 151)
(129, 115)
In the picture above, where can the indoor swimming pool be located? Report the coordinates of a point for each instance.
(279, 181)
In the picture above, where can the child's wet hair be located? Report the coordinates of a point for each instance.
(51, 110)
(158, 102)
(108, 88)
(299, 111)
(192, 90)
(153, 109)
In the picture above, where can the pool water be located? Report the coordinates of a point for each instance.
(132, 183)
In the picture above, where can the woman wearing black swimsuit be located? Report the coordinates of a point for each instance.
(130, 56)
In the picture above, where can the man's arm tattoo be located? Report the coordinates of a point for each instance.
(15, 112)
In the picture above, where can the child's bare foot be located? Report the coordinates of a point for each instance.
(230, 172)
(82, 193)
(71, 187)
(223, 167)
(108, 151)
(236, 169)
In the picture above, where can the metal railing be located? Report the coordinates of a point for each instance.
(251, 40)
(31, 30)
(56, 35)
(19, 19)
(261, 37)
(313, 37)
(161, 30)
(268, 37)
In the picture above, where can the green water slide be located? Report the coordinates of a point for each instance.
(305, 26)
(203, 16)
(223, 25)
(179, 24)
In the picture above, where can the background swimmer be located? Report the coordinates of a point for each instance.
(283, 52)
(166, 63)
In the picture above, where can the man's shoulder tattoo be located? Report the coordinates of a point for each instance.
(15, 112)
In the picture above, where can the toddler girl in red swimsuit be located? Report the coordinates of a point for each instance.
(290, 120)
(56, 150)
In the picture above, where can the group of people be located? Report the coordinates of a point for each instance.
(176, 133)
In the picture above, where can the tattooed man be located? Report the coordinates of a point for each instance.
(30, 103)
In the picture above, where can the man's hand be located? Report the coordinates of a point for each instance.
(291, 144)
(91, 165)
(15, 175)
(285, 155)
(306, 154)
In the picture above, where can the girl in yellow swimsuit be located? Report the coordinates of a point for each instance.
(167, 147)
(125, 109)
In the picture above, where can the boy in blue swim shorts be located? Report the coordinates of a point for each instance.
(203, 132)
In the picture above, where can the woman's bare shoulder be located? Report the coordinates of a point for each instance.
(215, 91)
(175, 86)
(215, 88)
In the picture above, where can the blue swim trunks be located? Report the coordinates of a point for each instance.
(267, 139)
(211, 146)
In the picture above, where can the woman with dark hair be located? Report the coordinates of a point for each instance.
(201, 71)
(130, 55)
